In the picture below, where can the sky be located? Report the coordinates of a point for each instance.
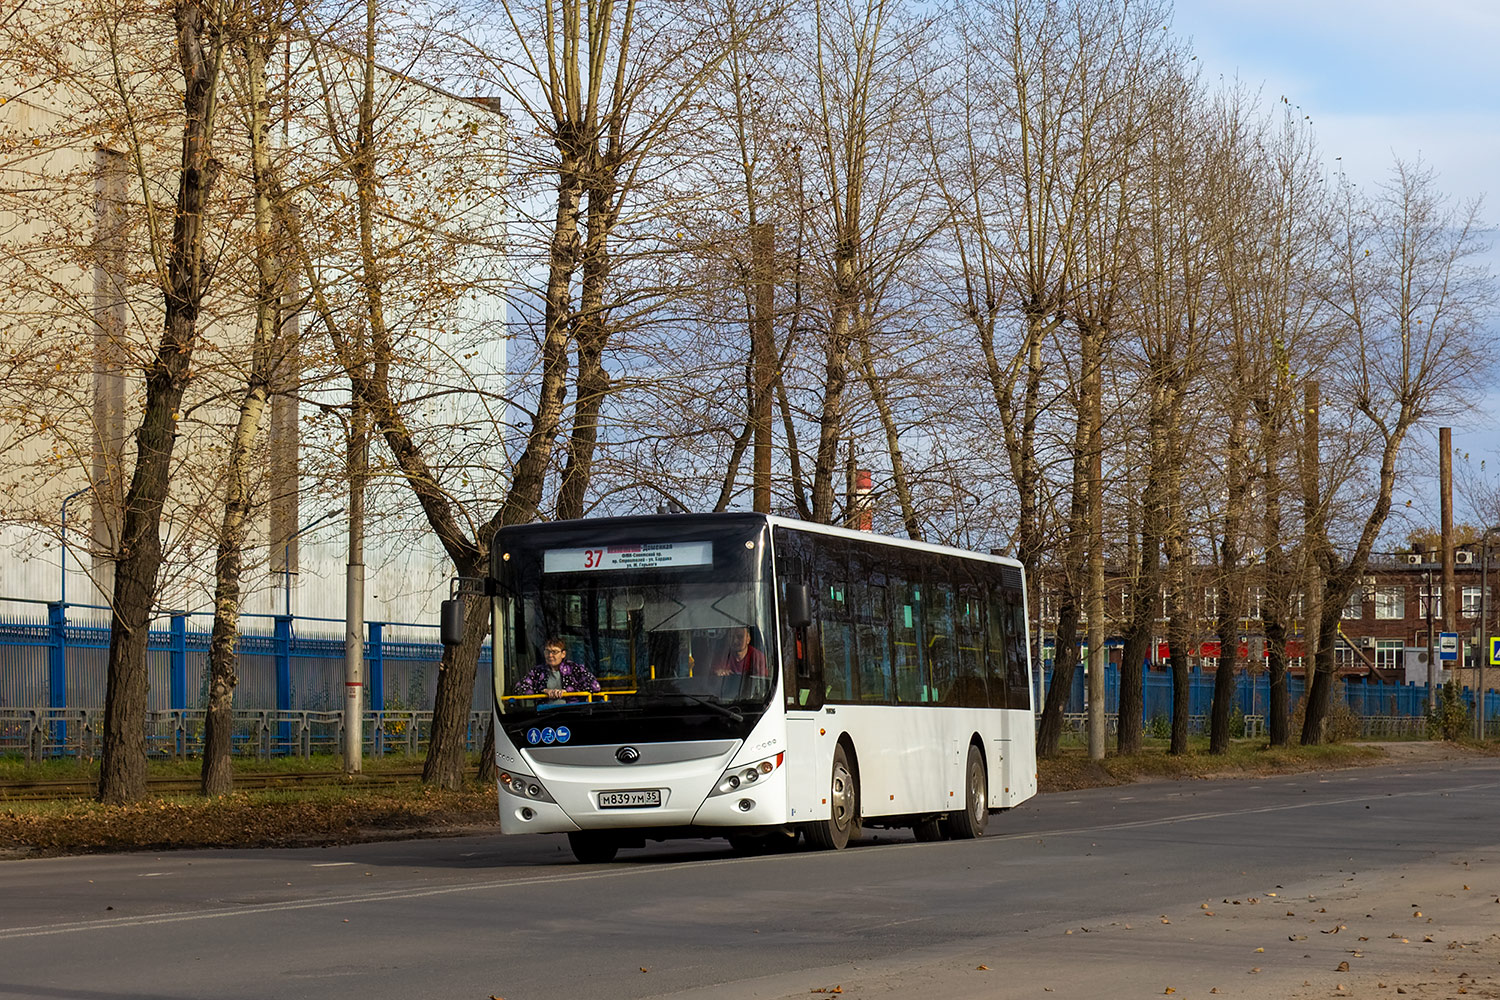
(1381, 80)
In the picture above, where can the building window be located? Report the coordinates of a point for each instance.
(1294, 602)
(1355, 606)
(1210, 602)
(1390, 603)
(1435, 595)
(1387, 654)
(1345, 657)
(1471, 602)
(1253, 601)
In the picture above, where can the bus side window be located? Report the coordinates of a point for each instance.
(872, 640)
(909, 640)
(1016, 675)
(835, 629)
(995, 656)
(941, 633)
(969, 628)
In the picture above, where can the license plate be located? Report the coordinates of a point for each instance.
(633, 799)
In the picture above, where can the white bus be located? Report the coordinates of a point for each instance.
(891, 687)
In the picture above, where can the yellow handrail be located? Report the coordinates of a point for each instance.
(586, 695)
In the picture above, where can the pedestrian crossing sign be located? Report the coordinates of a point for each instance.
(1495, 650)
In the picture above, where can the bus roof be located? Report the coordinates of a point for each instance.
(747, 517)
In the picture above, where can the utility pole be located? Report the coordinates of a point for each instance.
(354, 591)
(1432, 661)
(1312, 512)
(1093, 392)
(1484, 630)
(762, 360)
(1445, 490)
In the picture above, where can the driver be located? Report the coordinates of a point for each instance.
(741, 657)
(556, 675)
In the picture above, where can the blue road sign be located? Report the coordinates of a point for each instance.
(1447, 646)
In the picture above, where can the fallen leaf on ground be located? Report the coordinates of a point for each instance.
(982, 968)
(1343, 967)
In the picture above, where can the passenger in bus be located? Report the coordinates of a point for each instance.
(556, 675)
(741, 657)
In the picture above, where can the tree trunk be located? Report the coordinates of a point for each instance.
(448, 752)
(122, 775)
(1064, 660)
(1065, 652)
(217, 773)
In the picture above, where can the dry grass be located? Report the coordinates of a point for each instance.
(1073, 769)
(295, 818)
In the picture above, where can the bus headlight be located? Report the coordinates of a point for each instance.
(746, 774)
(524, 786)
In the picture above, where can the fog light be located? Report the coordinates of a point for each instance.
(746, 805)
(527, 812)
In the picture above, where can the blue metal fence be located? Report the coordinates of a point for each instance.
(293, 667)
(287, 664)
(1252, 695)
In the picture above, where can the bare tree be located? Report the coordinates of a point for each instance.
(253, 32)
(1411, 301)
(184, 275)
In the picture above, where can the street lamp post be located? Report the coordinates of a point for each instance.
(62, 561)
(1432, 661)
(286, 553)
(1484, 628)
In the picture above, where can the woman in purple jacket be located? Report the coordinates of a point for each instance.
(557, 675)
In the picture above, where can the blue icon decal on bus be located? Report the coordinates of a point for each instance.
(549, 736)
(533, 736)
(564, 734)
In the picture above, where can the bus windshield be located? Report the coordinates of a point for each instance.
(633, 642)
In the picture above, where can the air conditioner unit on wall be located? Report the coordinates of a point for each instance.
(1415, 558)
(1464, 557)
(1367, 641)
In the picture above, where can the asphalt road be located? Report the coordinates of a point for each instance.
(1130, 891)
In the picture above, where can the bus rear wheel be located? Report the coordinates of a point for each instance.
(976, 815)
(842, 824)
(593, 847)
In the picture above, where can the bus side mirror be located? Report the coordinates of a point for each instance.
(798, 605)
(452, 622)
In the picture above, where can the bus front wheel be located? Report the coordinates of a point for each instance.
(593, 847)
(971, 822)
(842, 824)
